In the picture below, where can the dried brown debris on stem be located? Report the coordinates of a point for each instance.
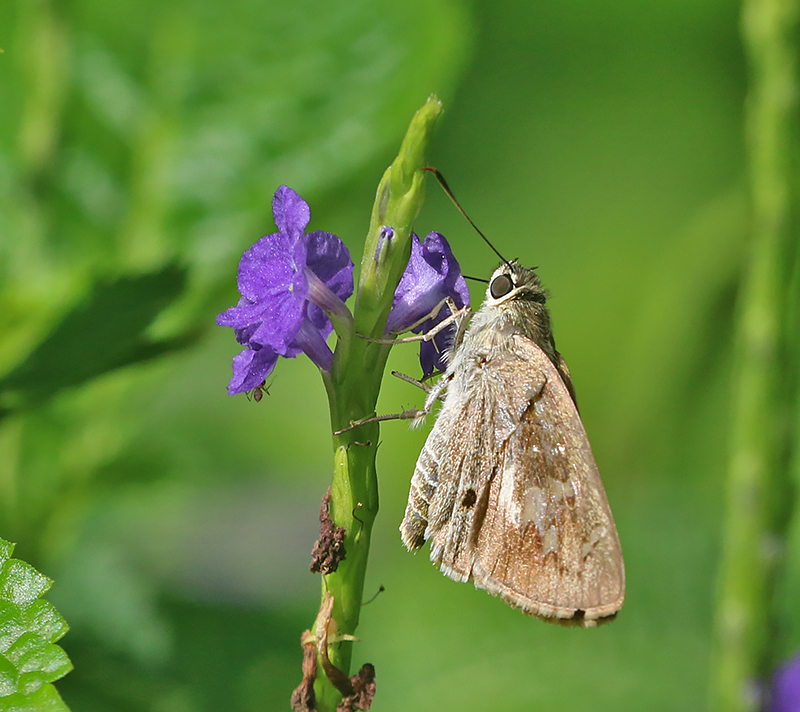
(303, 697)
(329, 548)
(363, 685)
(357, 691)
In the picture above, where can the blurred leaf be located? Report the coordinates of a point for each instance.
(29, 628)
(129, 622)
(105, 333)
(235, 659)
(175, 123)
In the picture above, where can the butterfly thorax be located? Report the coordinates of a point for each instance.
(521, 311)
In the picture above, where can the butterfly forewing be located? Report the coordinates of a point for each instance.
(454, 467)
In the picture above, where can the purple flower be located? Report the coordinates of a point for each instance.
(433, 274)
(786, 687)
(288, 281)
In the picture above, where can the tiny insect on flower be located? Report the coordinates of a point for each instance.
(258, 392)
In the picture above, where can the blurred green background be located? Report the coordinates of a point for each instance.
(140, 144)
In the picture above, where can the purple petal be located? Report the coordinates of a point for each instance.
(270, 266)
(438, 253)
(291, 212)
(273, 323)
(313, 345)
(244, 316)
(323, 304)
(786, 687)
(412, 296)
(433, 273)
(280, 322)
(430, 359)
(329, 259)
(250, 369)
(273, 283)
(433, 353)
(243, 333)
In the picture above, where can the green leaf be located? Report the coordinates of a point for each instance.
(20, 583)
(45, 699)
(100, 335)
(29, 629)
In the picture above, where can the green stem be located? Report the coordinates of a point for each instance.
(759, 483)
(355, 383)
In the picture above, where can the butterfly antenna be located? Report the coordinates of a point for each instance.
(449, 192)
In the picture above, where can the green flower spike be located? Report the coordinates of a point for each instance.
(355, 382)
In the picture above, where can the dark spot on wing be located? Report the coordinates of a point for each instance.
(469, 498)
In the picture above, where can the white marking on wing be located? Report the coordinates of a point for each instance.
(535, 508)
(506, 500)
(550, 541)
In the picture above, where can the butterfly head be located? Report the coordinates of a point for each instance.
(511, 282)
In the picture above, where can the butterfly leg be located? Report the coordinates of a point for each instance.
(427, 387)
(457, 316)
(410, 414)
(417, 415)
(413, 381)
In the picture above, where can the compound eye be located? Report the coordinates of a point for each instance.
(500, 286)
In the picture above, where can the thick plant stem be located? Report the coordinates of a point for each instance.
(759, 483)
(355, 382)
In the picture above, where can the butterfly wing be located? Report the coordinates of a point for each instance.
(507, 490)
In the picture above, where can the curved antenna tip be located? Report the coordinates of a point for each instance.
(449, 192)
